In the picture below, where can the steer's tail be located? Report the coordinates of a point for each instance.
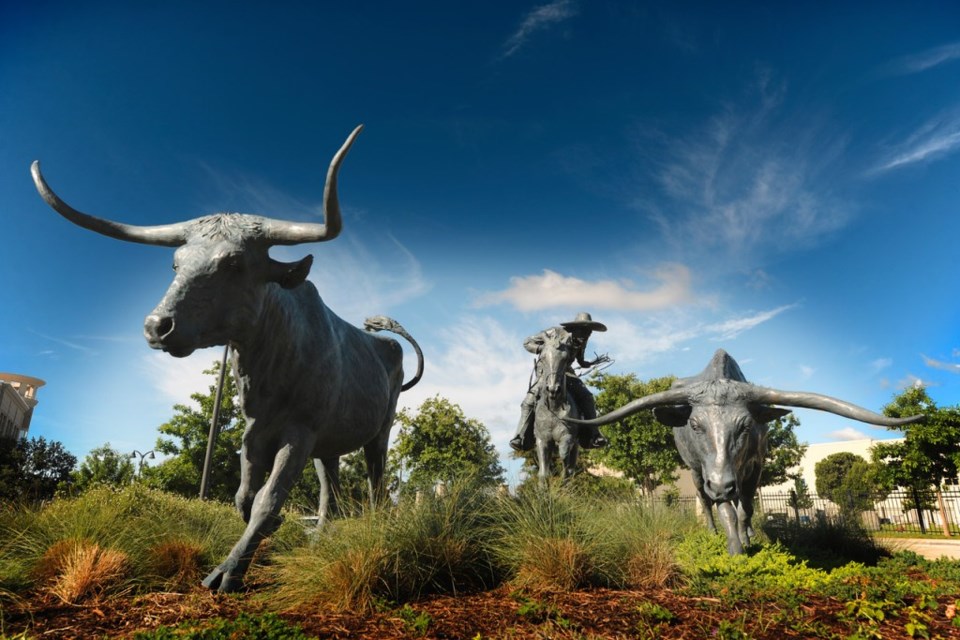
(383, 323)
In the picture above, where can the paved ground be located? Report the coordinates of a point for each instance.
(932, 548)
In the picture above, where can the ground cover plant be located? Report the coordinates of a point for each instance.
(466, 563)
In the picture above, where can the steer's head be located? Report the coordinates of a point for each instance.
(724, 431)
(222, 265)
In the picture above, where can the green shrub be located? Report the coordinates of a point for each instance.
(250, 627)
(827, 544)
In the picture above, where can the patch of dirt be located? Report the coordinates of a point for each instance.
(501, 613)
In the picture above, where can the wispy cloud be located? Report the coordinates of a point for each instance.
(936, 138)
(943, 366)
(67, 343)
(847, 434)
(539, 19)
(553, 290)
(880, 364)
(915, 63)
(730, 329)
(911, 380)
(806, 372)
(638, 341)
(747, 184)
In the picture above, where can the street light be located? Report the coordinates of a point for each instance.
(148, 454)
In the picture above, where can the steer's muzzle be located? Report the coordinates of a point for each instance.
(158, 330)
(721, 489)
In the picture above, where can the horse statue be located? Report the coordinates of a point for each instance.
(555, 403)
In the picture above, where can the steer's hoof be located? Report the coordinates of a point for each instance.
(220, 579)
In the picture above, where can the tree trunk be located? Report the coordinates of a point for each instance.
(944, 522)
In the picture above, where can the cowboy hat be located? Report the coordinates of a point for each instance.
(584, 321)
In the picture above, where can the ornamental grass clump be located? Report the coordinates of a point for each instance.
(78, 570)
(546, 540)
(135, 521)
(422, 545)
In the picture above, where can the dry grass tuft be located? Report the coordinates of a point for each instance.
(652, 566)
(554, 564)
(352, 581)
(76, 570)
(178, 563)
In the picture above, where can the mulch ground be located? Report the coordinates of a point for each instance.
(501, 613)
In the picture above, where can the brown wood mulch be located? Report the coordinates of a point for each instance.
(500, 613)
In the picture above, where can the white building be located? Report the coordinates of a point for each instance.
(18, 397)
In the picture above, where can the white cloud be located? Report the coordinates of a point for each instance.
(537, 20)
(806, 372)
(944, 366)
(880, 364)
(481, 366)
(552, 290)
(936, 138)
(911, 380)
(924, 60)
(177, 378)
(847, 434)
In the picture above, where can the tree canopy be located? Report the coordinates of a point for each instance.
(103, 465)
(848, 481)
(640, 447)
(784, 451)
(184, 440)
(32, 469)
(930, 450)
(438, 443)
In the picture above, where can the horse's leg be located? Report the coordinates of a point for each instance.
(543, 461)
(569, 451)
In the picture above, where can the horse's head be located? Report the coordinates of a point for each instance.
(555, 357)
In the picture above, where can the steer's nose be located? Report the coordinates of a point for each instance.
(157, 327)
(722, 489)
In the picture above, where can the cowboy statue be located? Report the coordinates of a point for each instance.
(579, 331)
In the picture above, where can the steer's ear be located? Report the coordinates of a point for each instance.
(675, 416)
(289, 274)
(764, 414)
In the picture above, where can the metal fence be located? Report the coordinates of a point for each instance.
(919, 512)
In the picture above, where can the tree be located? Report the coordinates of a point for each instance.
(184, 441)
(799, 497)
(640, 447)
(930, 451)
(439, 443)
(103, 465)
(848, 481)
(784, 451)
(33, 469)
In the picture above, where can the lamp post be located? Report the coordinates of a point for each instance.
(148, 454)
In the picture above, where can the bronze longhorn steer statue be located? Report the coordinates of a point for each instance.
(311, 385)
(720, 427)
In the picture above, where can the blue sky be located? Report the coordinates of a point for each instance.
(780, 182)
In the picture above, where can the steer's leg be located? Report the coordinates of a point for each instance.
(728, 518)
(706, 504)
(375, 453)
(328, 470)
(265, 514)
(254, 461)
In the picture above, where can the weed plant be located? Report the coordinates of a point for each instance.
(426, 544)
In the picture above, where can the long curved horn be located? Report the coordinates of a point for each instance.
(668, 397)
(284, 232)
(168, 235)
(807, 400)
